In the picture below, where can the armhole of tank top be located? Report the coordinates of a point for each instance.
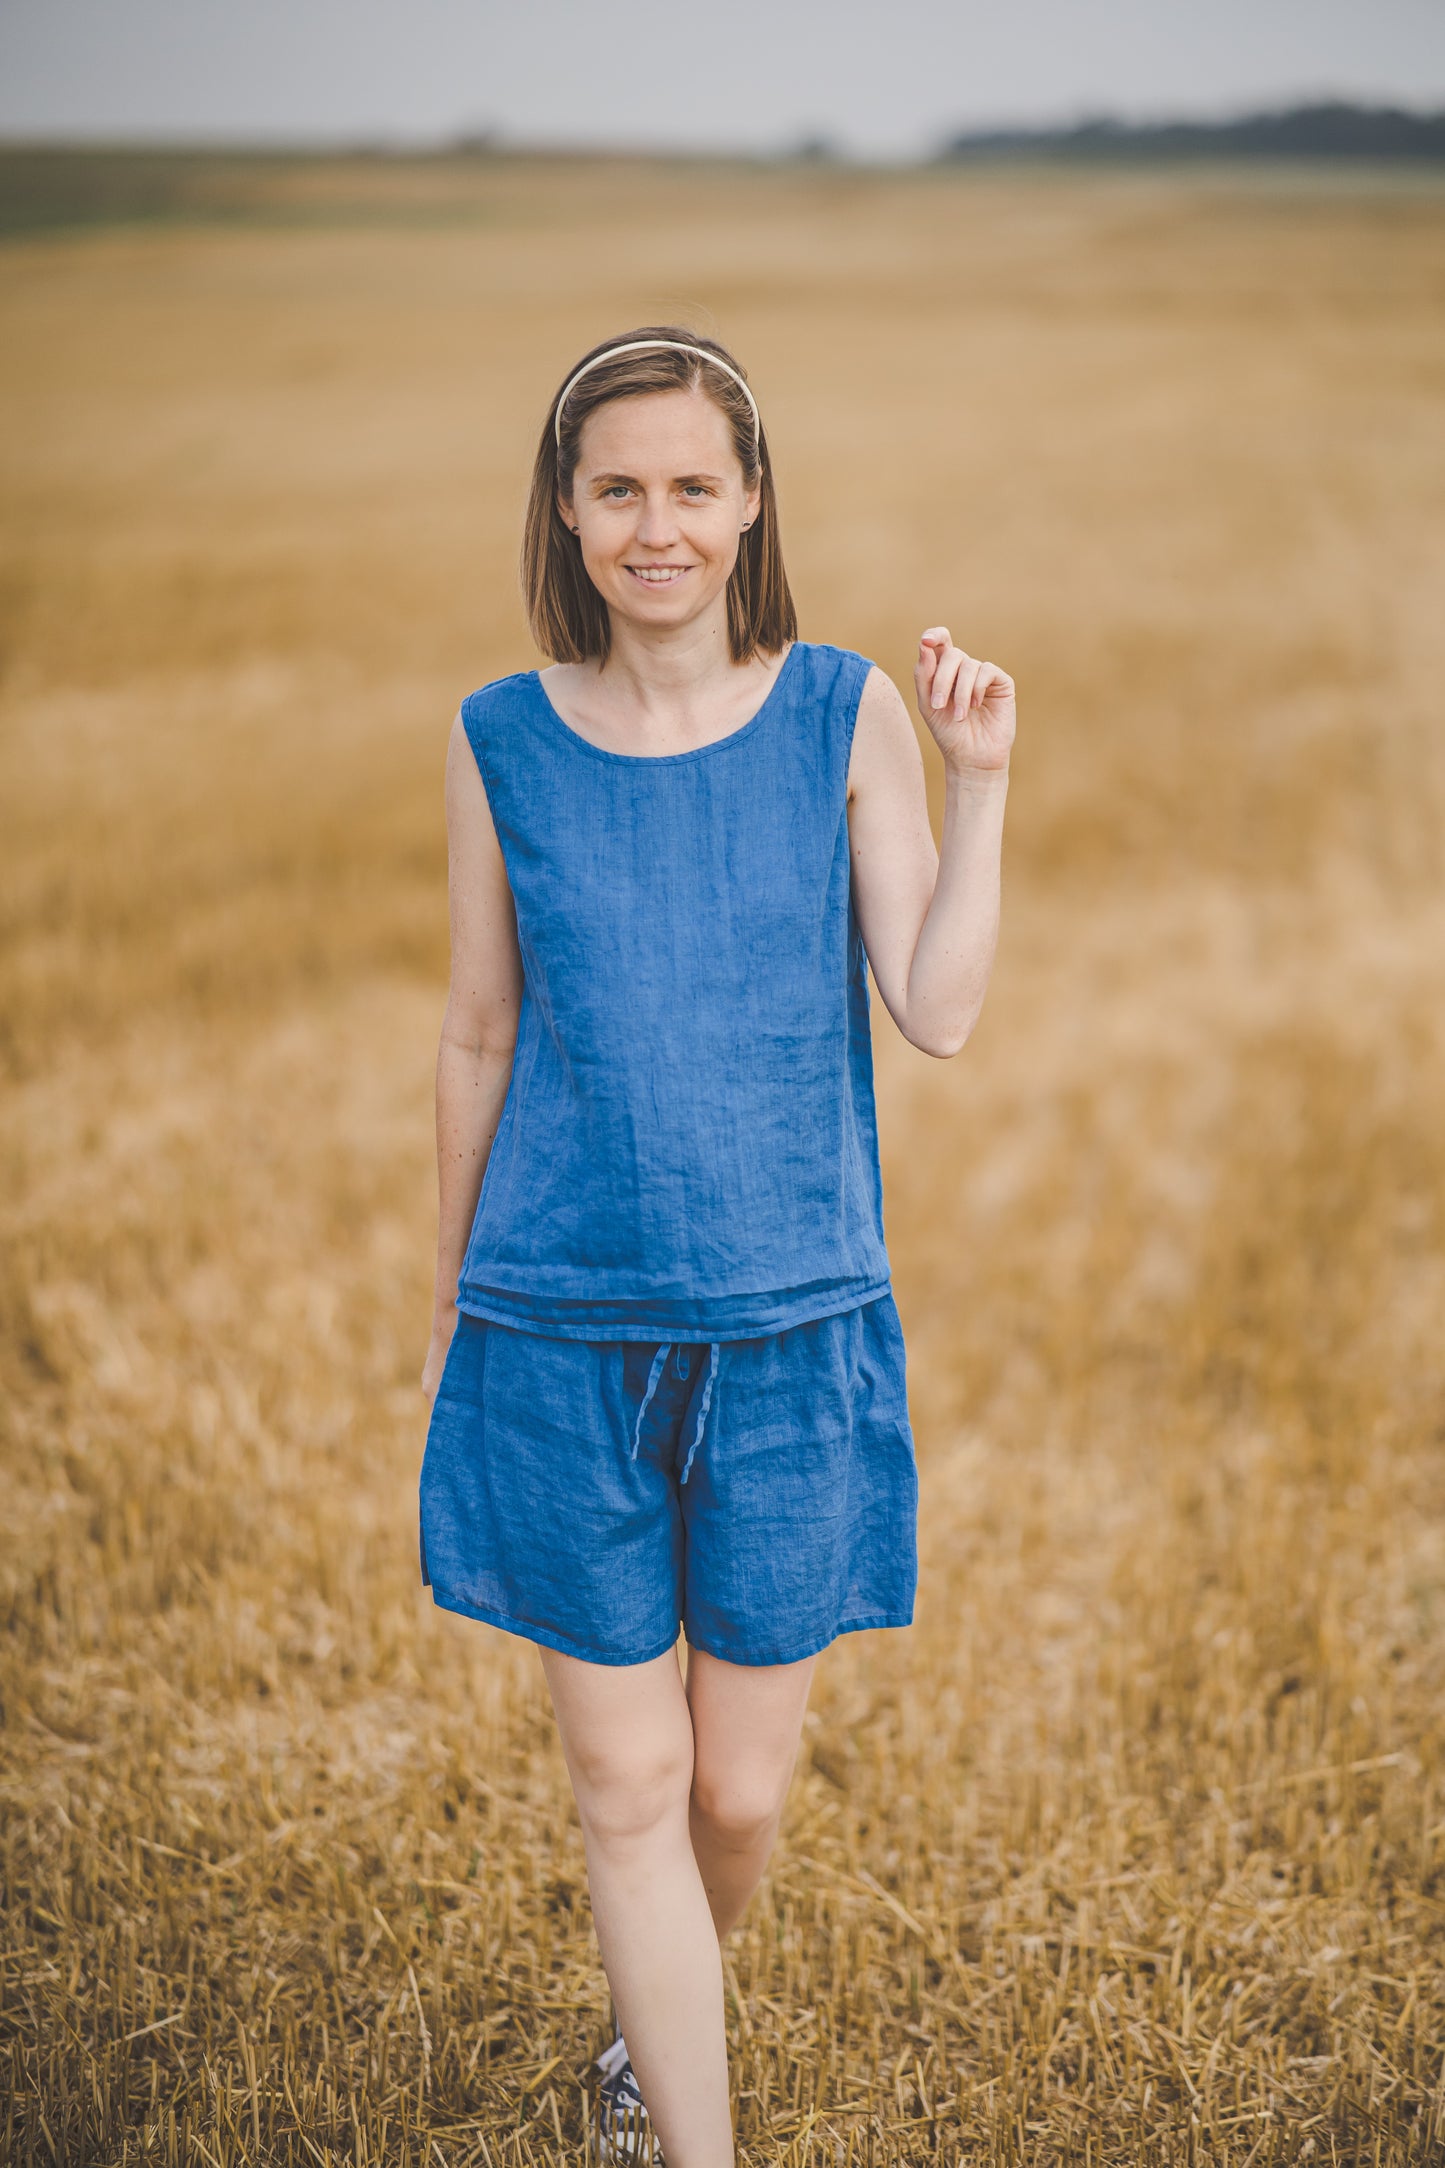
(469, 705)
(864, 668)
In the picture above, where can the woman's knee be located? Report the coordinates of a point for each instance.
(739, 1805)
(627, 1792)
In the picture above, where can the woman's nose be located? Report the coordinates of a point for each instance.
(657, 522)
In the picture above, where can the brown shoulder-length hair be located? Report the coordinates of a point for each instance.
(568, 617)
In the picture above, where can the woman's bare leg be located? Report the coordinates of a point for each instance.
(627, 1734)
(746, 1723)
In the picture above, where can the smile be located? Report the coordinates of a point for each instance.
(657, 575)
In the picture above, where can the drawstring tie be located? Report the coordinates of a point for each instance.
(714, 1351)
(654, 1378)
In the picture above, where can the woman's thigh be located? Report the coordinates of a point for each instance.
(627, 1737)
(746, 1723)
(637, 1740)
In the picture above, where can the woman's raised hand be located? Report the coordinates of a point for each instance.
(967, 705)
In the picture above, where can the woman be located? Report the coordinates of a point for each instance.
(666, 1368)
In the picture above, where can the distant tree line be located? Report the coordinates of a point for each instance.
(1330, 130)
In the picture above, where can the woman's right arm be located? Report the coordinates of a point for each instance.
(479, 1030)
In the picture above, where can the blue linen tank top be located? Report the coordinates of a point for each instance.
(688, 1147)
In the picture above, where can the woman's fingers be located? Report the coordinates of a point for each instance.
(963, 686)
(991, 679)
(947, 661)
(923, 672)
(951, 680)
(931, 646)
(945, 682)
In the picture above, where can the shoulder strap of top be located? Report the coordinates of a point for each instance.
(491, 717)
(832, 684)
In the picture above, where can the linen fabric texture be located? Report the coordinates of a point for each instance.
(688, 1146)
(588, 1495)
(676, 1391)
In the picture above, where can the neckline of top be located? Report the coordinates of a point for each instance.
(666, 760)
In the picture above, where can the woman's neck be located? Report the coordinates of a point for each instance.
(662, 693)
(680, 676)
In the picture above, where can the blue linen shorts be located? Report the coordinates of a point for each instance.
(594, 1495)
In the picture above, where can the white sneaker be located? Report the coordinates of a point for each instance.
(624, 2129)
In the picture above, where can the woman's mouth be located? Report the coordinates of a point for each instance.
(657, 575)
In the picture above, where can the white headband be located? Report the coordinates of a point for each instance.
(635, 346)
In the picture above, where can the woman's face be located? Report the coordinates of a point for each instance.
(659, 503)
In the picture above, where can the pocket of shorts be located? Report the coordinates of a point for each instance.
(881, 1376)
(883, 1316)
(464, 1370)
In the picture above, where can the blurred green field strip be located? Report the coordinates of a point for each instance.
(53, 189)
(45, 190)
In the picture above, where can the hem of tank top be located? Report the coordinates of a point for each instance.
(668, 760)
(686, 1334)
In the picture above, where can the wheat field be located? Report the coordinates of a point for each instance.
(1132, 1849)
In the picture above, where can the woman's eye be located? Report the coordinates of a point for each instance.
(693, 489)
(618, 489)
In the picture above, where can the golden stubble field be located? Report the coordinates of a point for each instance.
(1132, 1851)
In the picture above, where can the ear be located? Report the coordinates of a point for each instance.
(569, 516)
(752, 501)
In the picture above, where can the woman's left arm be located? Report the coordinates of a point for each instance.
(929, 920)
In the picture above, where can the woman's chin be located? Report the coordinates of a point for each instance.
(660, 607)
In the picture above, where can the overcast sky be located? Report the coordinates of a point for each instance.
(878, 77)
